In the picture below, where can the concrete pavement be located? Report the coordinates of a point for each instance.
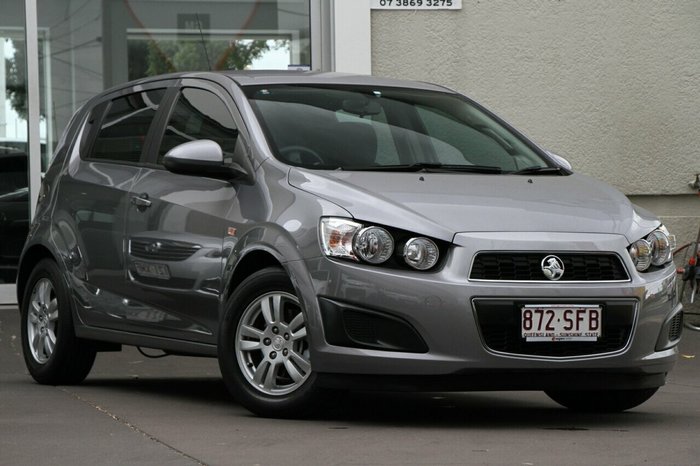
(175, 410)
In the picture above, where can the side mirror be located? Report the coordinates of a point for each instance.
(561, 161)
(203, 157)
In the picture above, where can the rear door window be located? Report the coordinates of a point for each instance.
(123, 130)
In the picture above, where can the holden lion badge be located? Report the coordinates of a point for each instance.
(552, 267)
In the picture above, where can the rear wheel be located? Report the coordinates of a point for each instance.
(52, 352)
(264, 348)
(601, 401)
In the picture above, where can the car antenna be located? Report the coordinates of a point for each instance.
(204, 44)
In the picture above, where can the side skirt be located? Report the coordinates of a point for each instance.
(178, 347)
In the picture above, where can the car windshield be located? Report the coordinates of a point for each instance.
(387, 129)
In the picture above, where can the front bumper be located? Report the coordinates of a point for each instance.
(440, 307)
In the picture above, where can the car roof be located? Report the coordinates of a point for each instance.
(270, 77)
(281, 77)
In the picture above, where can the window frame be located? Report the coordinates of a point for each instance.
(100, 108)
(151, 159)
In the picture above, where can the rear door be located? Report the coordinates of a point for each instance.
(176, 224)
(92, 204)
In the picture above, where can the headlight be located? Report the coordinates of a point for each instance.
(337, 235)
(640, 252)
(656, 249)
(661, 249)
(373, 244)
(421, 253)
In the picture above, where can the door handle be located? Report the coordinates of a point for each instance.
(141, 202)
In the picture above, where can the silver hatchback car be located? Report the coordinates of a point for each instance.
(319, 232)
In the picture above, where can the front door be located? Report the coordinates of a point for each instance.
(176, 225)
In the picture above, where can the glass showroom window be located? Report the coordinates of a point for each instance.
(14, 196)
(87, 46)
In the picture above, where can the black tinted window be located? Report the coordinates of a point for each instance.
(125, 126)
(13, 173)
(368, 128)
(199, 114)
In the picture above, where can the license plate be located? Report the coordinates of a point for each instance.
(561, 322)
(152, 270)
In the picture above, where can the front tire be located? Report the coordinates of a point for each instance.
(601, 401)
(52, 353)
(264, 348)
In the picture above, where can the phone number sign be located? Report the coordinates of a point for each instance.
(416, 4)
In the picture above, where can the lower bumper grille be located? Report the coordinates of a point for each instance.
(675, 328)
(499, 325)
(355, 327)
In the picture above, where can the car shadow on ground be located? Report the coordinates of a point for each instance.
(481, 409)
(440, 410)
(208, 390)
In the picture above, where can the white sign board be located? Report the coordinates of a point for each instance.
(416, 4)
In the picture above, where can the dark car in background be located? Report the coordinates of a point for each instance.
(14, 209)
(318, 232)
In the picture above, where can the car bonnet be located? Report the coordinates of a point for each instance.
(443, 204)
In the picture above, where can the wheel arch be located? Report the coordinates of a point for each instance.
(30, 259)
(247, 265)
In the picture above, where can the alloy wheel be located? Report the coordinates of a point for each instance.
(42, 321)
(271, 344)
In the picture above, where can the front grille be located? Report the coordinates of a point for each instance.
(499, 324)
(519, 266)
(675, 328)
(159, 249)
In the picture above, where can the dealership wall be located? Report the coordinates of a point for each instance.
(612, 85)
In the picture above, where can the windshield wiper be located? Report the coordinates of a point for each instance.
(541, 171)
(428, 167)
